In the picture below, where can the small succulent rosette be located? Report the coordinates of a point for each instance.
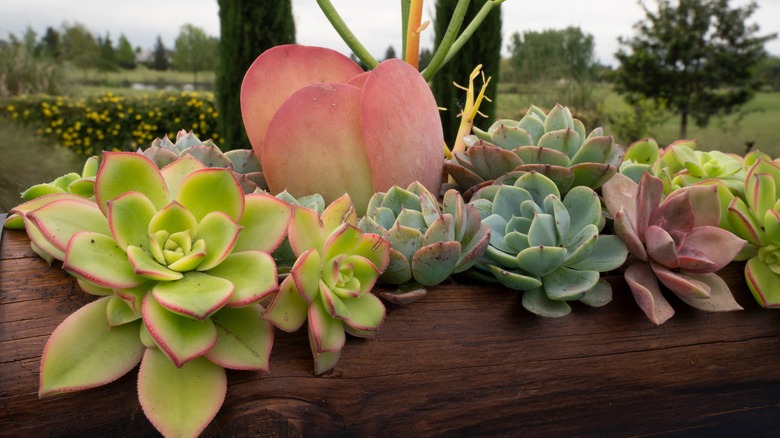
(180, 260)
(547, 247)
(640, 157)
(554, 144)
(78, 185)
(428, 243)
(756, 218)
(681, 165)
(243, 162)
(676, 241)
(331, 281)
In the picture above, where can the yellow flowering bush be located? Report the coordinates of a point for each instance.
(114, 122)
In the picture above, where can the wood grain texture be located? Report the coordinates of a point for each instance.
(467, 360)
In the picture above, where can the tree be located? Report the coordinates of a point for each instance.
(50, 43)
(107, 59)
(247, 29)
(160, 60)
(194, 51)
(390, 52)
(696, 55)
(125, 55)
(484, 48)
(553, 54)
(79, 46)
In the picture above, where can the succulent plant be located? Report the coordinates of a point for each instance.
(331, 281)
(549, 248)
(758, 222)
(319, 124)
(180, 259)
(640, 157)
(427, 243)
(681, 165)
(676, 241)
(72, 183)
(243, 162)
(553, 144)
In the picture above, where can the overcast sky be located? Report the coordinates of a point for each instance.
(375, 22)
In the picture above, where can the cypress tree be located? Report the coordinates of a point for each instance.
(484, 48)
(247, 29)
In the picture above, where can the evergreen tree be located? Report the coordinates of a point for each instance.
(107, 60)
(125, 55)
(50, 44)
(160, 56)
(79, 46)
(390, 52)
(247, 29)
(484, 48)
(194, 51)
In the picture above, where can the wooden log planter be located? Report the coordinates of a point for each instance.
(464, 361)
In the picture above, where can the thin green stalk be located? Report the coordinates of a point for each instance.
(449, 38)
(343, 30)
(470, 29)
(404, 25)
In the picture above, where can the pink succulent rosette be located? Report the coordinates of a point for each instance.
(675, 240)
(319, 124)
(180, 259)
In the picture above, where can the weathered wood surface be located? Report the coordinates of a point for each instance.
(464, 361)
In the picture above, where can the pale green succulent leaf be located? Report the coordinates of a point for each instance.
(581, 245)
(594, 150)
(537, 302)
(554, 207)
(288, 309)
(129, 216)
(306, 273)
(134, 296)
(175, 172)
(326, 332)
(264, 223)
(64, 181)
(173, 218)
(558, 118)
(538, 186)
(84, 187)
(762, 282)
(339, 212)
(306, 231)
(542, 155)
(720, 300)
(396, 199)
(533, 124)
(147, 267)
(333, 302)
(433, 263)
(84, 351)
(93, 289)
(608, 253)
(761, 193)
(529, 209)
(507, 201)
(404, 240)
(39, 190)
(514, 280)
(210, 190)
(182, 338)
(180, 401)
(119, 312)
(60, 219)
(584, 208)
(366, 314)
(473, 250)
(772, 226)
(252, 273)
(441, 230)
(412, 219)
(742, 222)
(192, 260)
(197, 295)
(219, 232)
(599, 295)
(374, 202)
(566, 141)
(244, 339)
(497, 226)
(122, 172)
(517, 241)
(343, 240)
(375, 249)
(399, 270)
(543, 231)
(503, 259)
(569, 284)
(541, 260)
(97, 258)
(369, 225)
(592, 175)
(385, 217)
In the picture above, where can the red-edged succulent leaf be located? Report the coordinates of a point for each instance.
(704, 199)
(375, 249)
(181, 338)
(742, 221)
(342, 241)
(93, 289)
(680, 283)
(220, 232)
(327, 332)
(134, 296)
(129, 216)
(621, 192)
(146, 266)
(676, 213)
(644, 286)
(264, 223)
(716, 244)
(661, 247)
(122, 172)
(278, 73)
(197, 295)
(59, 220)
(173, 218)
(244, 339)
(209, 190)
(97, 258)
(180, 401)
(119, 312)
(306, 272)
(288, 310)
(366, 314)
(364, 271)
(720, 300)
(320, 127)
(400, 118)
(306, 231)
(84, 351)
(175, 172)
(339, 212)
(333, 302)
(762, 283)
(648, 198)
(252, 273)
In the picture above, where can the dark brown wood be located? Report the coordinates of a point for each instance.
(464, 361)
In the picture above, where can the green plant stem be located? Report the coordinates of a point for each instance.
(405, 4)
(470, 29)
(450, 35)
(343, 30)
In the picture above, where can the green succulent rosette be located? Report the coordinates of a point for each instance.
(428, 243)
(547, 247)
(180, 260)
(331, 281)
